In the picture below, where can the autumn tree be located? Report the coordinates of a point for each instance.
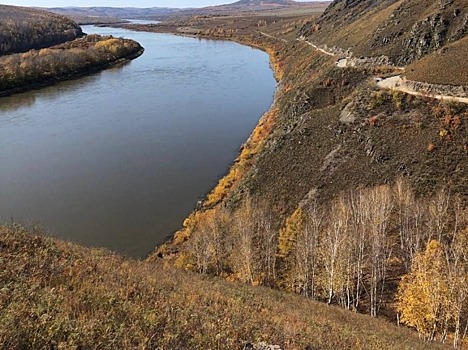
(306, 266)
(423, 294)
(457, 258)
(380, 206)
(333, 250)
(208, 244)
(288, 234)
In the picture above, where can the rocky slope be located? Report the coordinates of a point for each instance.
(446, 66)
(404, 30)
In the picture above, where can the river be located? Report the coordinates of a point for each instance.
(118, 159)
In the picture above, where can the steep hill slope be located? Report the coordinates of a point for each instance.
(444, 66)
(57, 295)
(404, 30)
(22, 29)
(333, 147)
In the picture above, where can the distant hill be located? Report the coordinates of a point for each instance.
(116, 12)
(264, 5)
(22, 29)
(161, 13)
(265, 2)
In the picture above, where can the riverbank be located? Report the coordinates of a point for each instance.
(72, 60)
(247, 154)
(304, 154)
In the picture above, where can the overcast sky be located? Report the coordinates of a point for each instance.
(119, 3)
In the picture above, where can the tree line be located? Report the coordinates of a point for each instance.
(22, 29)
(81, 55)
(351, 252)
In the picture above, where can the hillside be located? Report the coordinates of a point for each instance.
(55, 294)
(23, 29)
(104, 14)
(315, 202)
(264, 3)
(345, 193)
(403, 30)
(444, 66)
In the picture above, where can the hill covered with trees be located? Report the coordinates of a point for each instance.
(81, 56)
(23, 29)
(39, 48)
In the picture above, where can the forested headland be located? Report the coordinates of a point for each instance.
(39, 48)
(24, 71)
(23, 29)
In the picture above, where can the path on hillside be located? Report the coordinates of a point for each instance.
(329, 53)
(397, 83)
(272, 37)
(394, 83)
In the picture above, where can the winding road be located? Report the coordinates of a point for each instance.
(393, 83)
(398, 83)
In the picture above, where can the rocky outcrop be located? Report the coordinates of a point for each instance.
(364, 62)
(425, 37)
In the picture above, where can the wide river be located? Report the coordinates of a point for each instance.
(118, 159)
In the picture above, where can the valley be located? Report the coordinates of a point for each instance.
(351, 192)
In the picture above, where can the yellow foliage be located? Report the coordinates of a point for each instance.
(112, 45)
(243, 162)
(423, 294)
(287, 235)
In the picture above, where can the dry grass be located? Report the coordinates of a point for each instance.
(58, 295)
(446, 66)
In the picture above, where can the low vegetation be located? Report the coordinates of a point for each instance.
(40, 67)
(23, 29)
(350, 252)
(57, 295)
(445, 66)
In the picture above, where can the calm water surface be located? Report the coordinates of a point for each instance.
(119, 159)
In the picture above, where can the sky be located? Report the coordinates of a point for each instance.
(119, 3)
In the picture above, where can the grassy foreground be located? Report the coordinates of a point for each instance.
(56, 295)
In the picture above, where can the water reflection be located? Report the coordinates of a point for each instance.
(118, 159)
(27, 99)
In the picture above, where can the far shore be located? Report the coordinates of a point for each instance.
(71, 76)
